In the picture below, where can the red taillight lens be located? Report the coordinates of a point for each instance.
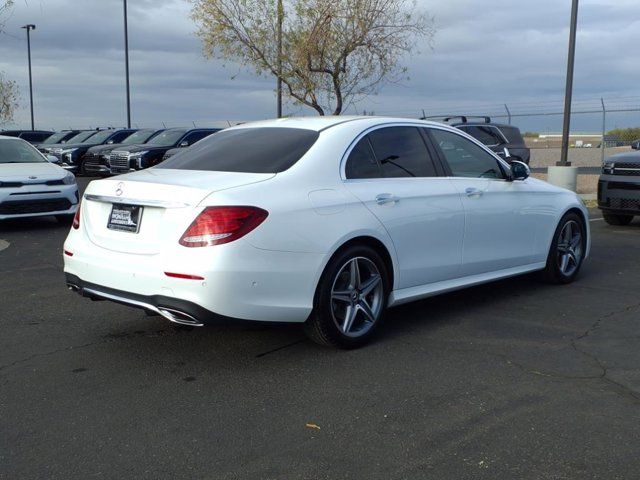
(218, 225)
(76, 219)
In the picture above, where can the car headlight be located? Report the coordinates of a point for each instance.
(68, 150)
(607, 167)
(69, 179)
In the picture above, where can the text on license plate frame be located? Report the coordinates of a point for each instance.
(128, 218)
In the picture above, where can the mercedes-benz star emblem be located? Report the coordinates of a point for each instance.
(119, 188)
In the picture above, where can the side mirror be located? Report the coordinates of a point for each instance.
(184, 144)
(52, 159)
(519, 170)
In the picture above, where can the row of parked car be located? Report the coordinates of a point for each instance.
(116, 151)
(112, 151)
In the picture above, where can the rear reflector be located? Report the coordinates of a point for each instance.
(218, 225)
(76, 219)
(184, 276)
(68, 253)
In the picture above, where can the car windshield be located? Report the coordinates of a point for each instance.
(81, 137)
(16, 151)
(167, 138)
(247, 150)
(55, 138)
(99, 137)
(140, 136)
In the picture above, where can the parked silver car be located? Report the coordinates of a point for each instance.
(32, 186)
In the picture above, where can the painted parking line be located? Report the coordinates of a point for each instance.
(4, 245)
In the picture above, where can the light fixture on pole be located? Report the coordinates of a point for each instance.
(126, 63)
(28, 28)
(279, 83)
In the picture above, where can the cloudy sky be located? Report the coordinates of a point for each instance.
(485, 53)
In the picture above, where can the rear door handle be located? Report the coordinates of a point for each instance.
(384, 198)
(472, 192)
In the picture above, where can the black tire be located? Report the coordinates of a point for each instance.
(553, 271)
(65, 219)
(617, 220)
(321, 327)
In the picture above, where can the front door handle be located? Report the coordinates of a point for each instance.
(472, 192)
(384, 198)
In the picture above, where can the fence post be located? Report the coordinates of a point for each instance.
(604, 122)
(508, 113)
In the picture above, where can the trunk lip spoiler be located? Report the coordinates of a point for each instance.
(135, 201)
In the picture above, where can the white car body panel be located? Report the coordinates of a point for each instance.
(437, 238)
(32, 177)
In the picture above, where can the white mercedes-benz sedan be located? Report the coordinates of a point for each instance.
(31, 186)
(325, 221)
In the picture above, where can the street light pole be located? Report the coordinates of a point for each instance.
(28, 28)
(279, 83)
(569, 87)
(126, 62)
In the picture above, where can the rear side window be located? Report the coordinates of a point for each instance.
(246, 150)
(193, 137)
(401, 152)
(361, 162)
(513, 134)
(485, 134)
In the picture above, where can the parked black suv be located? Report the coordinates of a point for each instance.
(96, 160)
(58, 137)
(137, 157)
(70, 153)
(619, 188)
(505, 140)
(31, 136)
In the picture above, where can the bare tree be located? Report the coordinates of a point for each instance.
(334, 52)
(8, 88)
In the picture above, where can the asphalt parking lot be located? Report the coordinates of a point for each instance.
(515, 379)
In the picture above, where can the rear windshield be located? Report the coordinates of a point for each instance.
(512, 134)
(247, 150)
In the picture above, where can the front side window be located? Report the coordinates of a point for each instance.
(193, 137)
(361, 162)
(465, 158)
(486, 134)
(513, 134)
(99, 137)
(401, 152)
(167, 138)
(246, 150)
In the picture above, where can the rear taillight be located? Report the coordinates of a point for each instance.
(218, 225)
(76, 219)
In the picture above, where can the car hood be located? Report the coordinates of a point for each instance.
(43, 170)
(66, 146)
(142, 148)
(625, 157)
(96, 149)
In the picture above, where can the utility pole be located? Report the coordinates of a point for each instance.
(28, 28)
(279, 83)
(564, 161)
(126, 63)
(604, 125)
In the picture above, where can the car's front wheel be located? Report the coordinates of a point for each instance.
(350, 299)
(568, 249)
(618, 220)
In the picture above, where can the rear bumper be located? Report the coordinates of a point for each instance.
(239, 281)
(619, 194)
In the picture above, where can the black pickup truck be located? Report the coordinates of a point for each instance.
(137, 157)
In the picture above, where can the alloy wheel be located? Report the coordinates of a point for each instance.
(357, 297)
(569, 253)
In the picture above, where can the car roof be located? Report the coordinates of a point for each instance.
(321, 123)
(481, 124)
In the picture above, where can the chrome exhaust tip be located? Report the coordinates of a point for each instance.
(179, 317)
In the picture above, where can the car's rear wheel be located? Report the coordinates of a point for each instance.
(618, 220)
(350, 299)
(567, 250)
